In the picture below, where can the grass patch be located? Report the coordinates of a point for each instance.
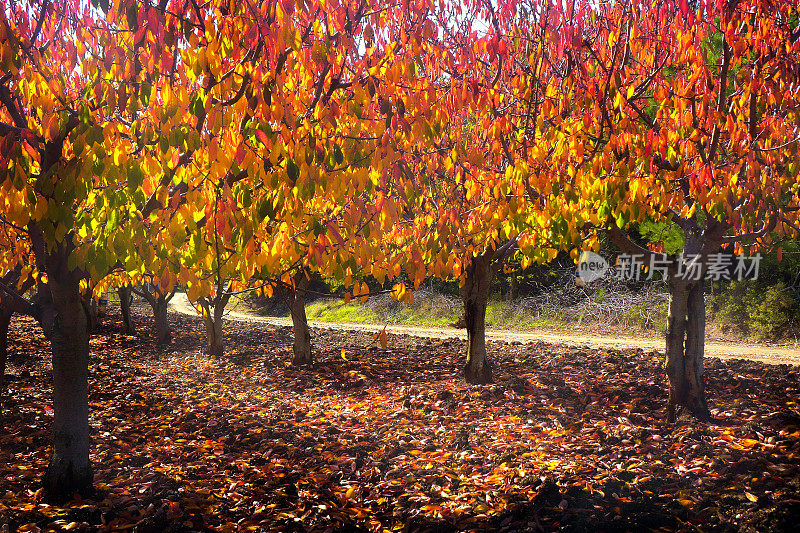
(428, 309)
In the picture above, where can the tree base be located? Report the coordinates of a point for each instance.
(696, 410)
(302, 359)
(478, 376)
(62, 481)
(163, 341)
(215, 351)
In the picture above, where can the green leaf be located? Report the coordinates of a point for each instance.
(292, 171)
(144, 93)
(135, 176)
(265, 210)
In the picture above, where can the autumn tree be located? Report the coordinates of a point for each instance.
(125, 295)
(12, 283)
(485, 188)
(157, 293)
(687, 116)
(331, 135)
(60, 176)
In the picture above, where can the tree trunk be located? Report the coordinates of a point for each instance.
(124, 294)
(302, 338)
(90, 308)
(163, 333)
(7, 310)
(5, 321)
(685, 349)
(213, 322)
(70, 470)
(475, 295)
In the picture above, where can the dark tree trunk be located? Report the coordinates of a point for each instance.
(475, 295)
(5, 321)
(90, 308)
(70, 470)
(302, 338)
(213, 311)
(162, 331)
(212, 317)
(686, 322)
(124, 294)
(685, 348)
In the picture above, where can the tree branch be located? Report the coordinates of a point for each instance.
(768, 226)
(723, 86)
(624, 243)
(15, 301)
(39, 23)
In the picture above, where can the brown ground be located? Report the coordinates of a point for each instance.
(373, 439)
(724, 350)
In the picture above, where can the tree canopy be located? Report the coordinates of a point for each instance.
(232, 145)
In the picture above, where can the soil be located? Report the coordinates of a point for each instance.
(724, 350)
(370, 438)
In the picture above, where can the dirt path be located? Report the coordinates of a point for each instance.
(723, 350)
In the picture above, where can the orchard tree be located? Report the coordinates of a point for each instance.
(158, 292)
(125, 295)
(688, 116)
(485, 190)
(331, 134)
(61, 181)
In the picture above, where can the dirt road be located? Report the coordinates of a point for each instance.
(723, 350)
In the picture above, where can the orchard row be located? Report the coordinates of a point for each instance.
(236, 146)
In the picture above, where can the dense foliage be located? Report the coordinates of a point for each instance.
(231, 146)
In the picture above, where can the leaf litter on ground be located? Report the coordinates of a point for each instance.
(391, 438)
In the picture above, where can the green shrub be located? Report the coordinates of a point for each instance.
(648, 316)
(770, 314)
(751, 308)
(733, 305)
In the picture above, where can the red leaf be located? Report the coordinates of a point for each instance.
(261, 136)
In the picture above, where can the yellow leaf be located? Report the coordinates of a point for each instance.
(398, 292)
(53, 128)
(383, 338)
(193, 292)
(751, 497)
(343, 353)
